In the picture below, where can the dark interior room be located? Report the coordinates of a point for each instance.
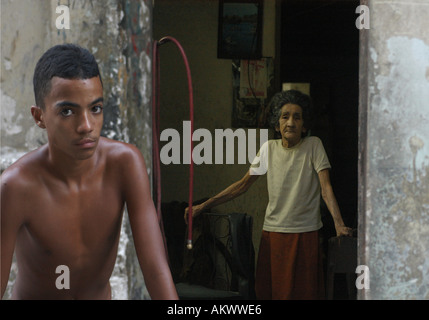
(317, 43)
(320, 45)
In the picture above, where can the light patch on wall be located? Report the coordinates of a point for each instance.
(35, 137)
(145, 85)
(406, 90)
(144, 14)
(399, 170)
(9, 121)
(374, 55)
(7, 64)
(113, 18)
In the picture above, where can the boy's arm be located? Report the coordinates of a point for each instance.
(331, 202)
(10, 222)
(145, 227)
(233, 191)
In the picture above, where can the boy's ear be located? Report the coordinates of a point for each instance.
(37, 114)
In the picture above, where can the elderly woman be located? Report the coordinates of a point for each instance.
(297, 167)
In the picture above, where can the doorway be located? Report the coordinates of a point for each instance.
(319, 45)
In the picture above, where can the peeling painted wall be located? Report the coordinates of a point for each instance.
(394, 151)
(119, 34)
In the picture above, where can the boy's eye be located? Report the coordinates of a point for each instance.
(97, 109)
(66, 112)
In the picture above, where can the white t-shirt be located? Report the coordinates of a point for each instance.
(293, 184)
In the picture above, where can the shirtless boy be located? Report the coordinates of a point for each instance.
(63, 203)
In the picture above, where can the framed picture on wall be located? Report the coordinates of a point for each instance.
(240, 29)
(250, 100)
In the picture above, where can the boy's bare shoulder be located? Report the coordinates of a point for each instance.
(29, 169)
(117, 150)
(25, 170)
(121, 156)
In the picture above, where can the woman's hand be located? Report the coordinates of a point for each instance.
(344, 231)
(196, 210)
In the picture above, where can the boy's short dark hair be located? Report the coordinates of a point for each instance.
(68, 61)
(294, 97)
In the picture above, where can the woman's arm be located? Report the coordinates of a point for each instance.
(233, 191)
(331, 202)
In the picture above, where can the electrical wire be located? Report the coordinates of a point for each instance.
(155, 128)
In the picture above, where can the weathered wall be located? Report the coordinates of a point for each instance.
(118, 33)
(394, 150)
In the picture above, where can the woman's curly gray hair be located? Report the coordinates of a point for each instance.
(294, 97)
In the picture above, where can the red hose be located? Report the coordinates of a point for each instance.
(155, 141)
(155, 125)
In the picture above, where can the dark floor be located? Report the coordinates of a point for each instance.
(340, 288)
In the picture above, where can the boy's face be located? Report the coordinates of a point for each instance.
(291, 124)
(73, 116)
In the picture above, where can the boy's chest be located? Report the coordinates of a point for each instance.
(72, 218)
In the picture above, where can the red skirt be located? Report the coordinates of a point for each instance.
(289, 267)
